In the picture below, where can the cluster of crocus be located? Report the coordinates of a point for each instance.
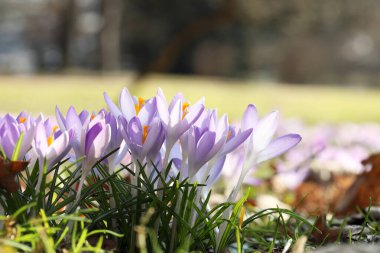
(326, 149)
(152, 132)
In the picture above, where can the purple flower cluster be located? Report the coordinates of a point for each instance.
(152, 131)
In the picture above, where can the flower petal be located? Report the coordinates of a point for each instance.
(111, 105)
(279, 146)
(127, 104)
(91, 135)
(162, 109)
(263, 133)
(250, 118)
(235, 141)
(147, 112)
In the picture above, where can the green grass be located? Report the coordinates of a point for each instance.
(310, 103)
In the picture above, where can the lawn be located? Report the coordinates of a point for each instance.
(310, 103)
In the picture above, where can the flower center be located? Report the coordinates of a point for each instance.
(21, 119)
(185, 109)
(139, 104)
(92, 116)
(145, 133)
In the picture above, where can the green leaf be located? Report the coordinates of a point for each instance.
(16, 151)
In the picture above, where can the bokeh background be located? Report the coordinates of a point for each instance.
(315, 60)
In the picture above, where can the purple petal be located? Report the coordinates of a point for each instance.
(153, 134)
(60, 119)
(264, 131)
(222, 128)
(73, 121)
(194, 113)
(8, 143)
(235, 141)
(135, 131)
(162, 110)
(250, 118)
(113, 108)
(59, 148)
(83, 116)
(148, 111)
(156, 147)
(179, 96)
(91, 135)
(127, 104)
(41, 140)
(98, 146)
(279, 146)
(205, 144)
(176, 113)
(216, 171)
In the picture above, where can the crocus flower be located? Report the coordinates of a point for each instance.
(51, 145)
(211, 142)
(142, 140)
(11, 130)
(91, 138)
(176, 118)
(116, 142)
(260, 146)
(95, 137)
(131, 107)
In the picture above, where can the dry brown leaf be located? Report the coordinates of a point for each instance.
(365, 191)
(8, 172)
(316, 198)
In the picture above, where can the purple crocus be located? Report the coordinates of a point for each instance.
(51, 145)
(144, 141)
(131, 107)
(260, 146)
(176, 118)
(11, 130)
(116, 142)
(91, 138)
(211, 142)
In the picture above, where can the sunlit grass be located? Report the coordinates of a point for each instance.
(310, 103)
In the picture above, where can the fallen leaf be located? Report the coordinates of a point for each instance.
(8, 172)
(364, 192)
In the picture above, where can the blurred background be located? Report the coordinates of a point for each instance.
(326, 53)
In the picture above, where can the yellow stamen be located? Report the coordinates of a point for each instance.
(50, 140)
(185, 109)
(21, 119)
(241, 218)
(55, 128)
(145, 133)
(139, 104)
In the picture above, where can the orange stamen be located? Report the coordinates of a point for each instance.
(139, 104)
(185, 109)
(92, 116)
(21, 119)
(55, 128)
(145, 133)
(50, 140)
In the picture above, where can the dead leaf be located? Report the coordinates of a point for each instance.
(8, 172)
(365, 191)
